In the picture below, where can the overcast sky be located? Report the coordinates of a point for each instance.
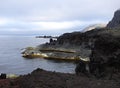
(53, 16)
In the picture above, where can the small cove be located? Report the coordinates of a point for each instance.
(12, 62)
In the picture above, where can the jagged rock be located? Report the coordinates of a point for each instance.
(115, 22)
(105, 55)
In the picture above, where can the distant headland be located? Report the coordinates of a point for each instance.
(46, 36)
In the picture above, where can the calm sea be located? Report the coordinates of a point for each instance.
(12, 62)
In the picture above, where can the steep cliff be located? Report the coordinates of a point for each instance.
(115, 22)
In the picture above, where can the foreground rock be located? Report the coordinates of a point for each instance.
(45, 79)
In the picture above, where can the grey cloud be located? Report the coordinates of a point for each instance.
(25, 11)
(17, 26)
(63, 9)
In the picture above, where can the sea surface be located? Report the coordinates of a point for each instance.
(12, 62)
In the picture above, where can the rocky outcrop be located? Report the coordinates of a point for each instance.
(84, 40)
(105, 52)
(105, 56)
(74, 38)
(115, 22)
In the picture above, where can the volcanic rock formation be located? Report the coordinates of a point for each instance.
(115, 22)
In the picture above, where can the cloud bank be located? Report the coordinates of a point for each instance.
(53, 15)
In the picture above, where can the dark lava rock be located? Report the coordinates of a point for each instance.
(46, 79)
(84, 40)
(71, 38)
(3, 76)
(105, 57)
(115, 22)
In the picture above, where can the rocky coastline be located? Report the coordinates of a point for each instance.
(96, 51)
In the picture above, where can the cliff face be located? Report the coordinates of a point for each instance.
(115, 22)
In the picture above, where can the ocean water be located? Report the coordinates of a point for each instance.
(12, 62)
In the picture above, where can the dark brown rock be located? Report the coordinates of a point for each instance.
(3, 76)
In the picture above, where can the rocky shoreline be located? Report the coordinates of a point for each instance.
(97, 52)
(45, 79)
